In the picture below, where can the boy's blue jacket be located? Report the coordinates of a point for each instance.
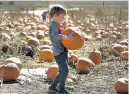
(55, 37)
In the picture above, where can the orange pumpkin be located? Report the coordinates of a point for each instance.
(46, 55)
(51, 72)
(9, 71)
(121, 85)
(84, 65)
(95, 56)
(124, 55)
(78, 41)
(15, 60)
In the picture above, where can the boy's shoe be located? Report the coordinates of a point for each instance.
(52, 90)
(64, 92)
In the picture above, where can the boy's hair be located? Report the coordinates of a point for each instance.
(57, 9)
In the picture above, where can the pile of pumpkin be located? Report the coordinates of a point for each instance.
(10, 69)
(21, 22)
(120, 49)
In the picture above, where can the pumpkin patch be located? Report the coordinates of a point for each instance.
(25, 44)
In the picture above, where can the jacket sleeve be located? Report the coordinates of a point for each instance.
(54, 32)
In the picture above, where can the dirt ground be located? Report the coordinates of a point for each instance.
(99, 81)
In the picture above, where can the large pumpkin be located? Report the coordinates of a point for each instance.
(121, 85)
(46, 55)
(78, 39)
(52, 72)
(15, 60)
(84, 65)
(95, 56)
(9, 71)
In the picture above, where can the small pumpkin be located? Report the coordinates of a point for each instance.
(45, 47)
(29, 37)
(46, 42)
(116, 49)
(22, 34)
(84, 65)
(15, 60)
(42, 27)
(40, 35)
(98, 37)
(88, 38)
(52, 71)
(78, 39)
(125, 47)
(9, 72)
(33, 34)
(95, 56)
(124, 55)
(46, 55)
(33, 42)
(72, 59)
(121, 85)
(4, 36)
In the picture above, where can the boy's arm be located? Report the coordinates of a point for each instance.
(54, 32)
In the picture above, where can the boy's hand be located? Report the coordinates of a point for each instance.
(70, 37)
(62, 27)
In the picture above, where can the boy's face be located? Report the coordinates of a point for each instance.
(59, 18)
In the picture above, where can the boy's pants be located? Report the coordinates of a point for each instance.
(62, 61)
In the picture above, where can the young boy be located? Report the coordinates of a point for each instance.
(57, 15)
